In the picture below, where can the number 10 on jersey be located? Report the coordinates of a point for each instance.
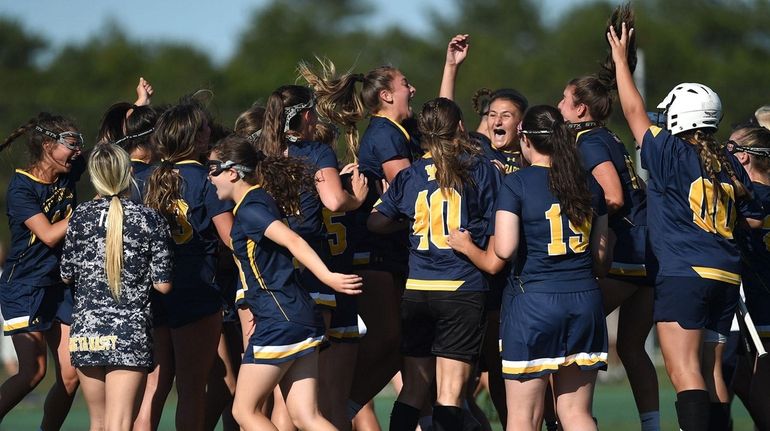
(435, 216)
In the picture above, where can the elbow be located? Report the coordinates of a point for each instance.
(335, 203)
(614, 204)
(163, 288)
(754, 223)
(50, 242)
(495, 267)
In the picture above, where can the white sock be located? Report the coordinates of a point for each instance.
(650, 421)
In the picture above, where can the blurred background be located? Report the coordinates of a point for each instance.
(78, 57)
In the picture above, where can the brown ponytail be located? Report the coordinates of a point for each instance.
(338, 100)
(439, 124)
(272, 139)
(567, 178)
(713, 160)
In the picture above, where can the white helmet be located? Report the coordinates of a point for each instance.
(691, 106)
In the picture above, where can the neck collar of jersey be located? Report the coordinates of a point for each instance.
(34, 178)
(254, 187)
(427, 155)
(189, 162)
(400, 127)
(542, 165)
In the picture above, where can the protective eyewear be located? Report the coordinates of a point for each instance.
(733, 147)
(216, 167)
(62, 138)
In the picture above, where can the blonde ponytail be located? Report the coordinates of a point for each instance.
(110, 169)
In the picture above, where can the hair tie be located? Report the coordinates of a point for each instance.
(167, 164)
(116, 195)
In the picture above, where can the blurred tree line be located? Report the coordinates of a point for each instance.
(723, 43)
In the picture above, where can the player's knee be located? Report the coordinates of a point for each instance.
(306, 418)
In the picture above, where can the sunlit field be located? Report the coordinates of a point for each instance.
(613, 406)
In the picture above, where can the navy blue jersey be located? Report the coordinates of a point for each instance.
(599, 145)
(270, 281)
(193, 231)
(139, 169)
(433, 213)
(510, 159)
(756, 242)
(29, 260)
(310, 224)
(691, 235)
(551, 248)
(384, 140)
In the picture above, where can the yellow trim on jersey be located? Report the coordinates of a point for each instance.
(542, 165)
(441, 285)
(254, 187)
(344, 332)
(655, 130)
(427, 155)
(326, 299)
(278, 352)
(717, 274)
(34, 178)
(628, 269)
(16, 323)
(361, 258)
(400, 127)
(763, 331)
(240, 293)
(250, 252)
(139, 160)
(544, 364)
(581, 132)
(189, 162)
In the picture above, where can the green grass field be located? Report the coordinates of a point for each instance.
(613, 406)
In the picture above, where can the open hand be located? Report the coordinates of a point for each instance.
(348, 284)
(457, 49)
(619, 45)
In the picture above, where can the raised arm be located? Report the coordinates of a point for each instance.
(630, 99)
(456, 52)
(144, 92)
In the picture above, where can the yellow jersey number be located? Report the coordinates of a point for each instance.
(182, 231)
(338, 243)
(435, 216)
(715, 217)
(577, 242)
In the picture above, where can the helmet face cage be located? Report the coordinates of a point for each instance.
(691, 106)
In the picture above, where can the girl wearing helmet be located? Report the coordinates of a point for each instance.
(695, 194)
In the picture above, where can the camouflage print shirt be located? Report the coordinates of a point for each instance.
(106, 331)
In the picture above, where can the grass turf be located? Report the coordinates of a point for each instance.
(613, 406)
